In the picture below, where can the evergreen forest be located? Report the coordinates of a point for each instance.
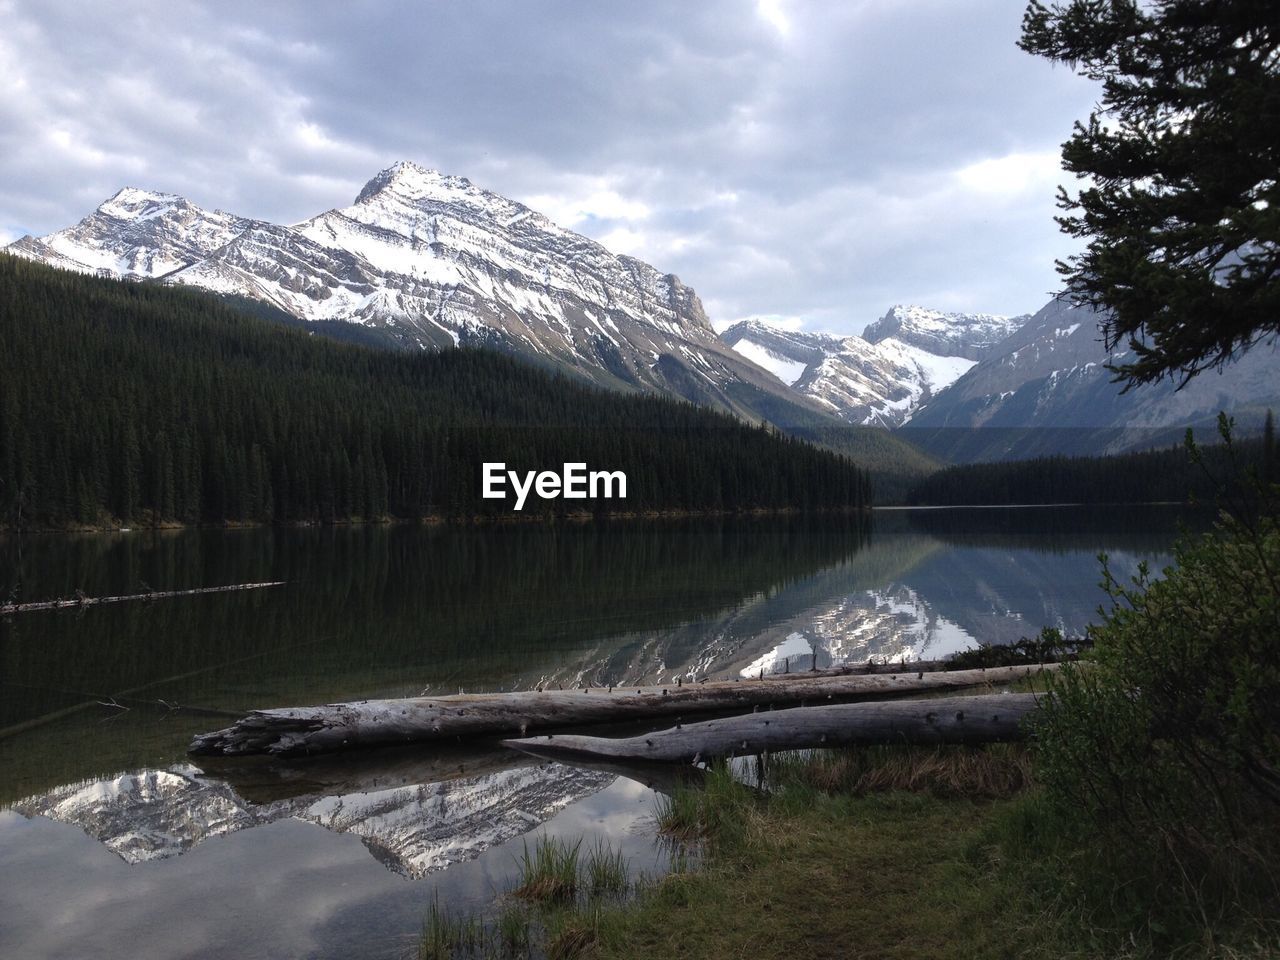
(127, 402)
(1171, 475)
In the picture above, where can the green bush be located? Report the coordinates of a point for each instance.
(1167, 739)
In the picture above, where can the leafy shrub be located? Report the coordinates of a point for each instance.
(1168, 738)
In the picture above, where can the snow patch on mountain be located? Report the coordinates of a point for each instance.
(786, 370)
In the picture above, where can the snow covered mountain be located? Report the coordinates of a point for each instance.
(1045, 389)
(880, 378)
(136, 233)
(963, 335)
(435, 261)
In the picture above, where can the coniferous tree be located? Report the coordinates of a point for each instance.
(1181, 209)
(1270, 469)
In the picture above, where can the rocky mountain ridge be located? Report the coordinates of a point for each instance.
(882, 377)
(434, 262)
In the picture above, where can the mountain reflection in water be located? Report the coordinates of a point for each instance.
(413, 829)
(90, 737)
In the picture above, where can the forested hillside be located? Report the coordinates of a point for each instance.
(133, 402)
(1168, 475)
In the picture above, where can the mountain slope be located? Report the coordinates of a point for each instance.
(1045, 390)
(434, 261)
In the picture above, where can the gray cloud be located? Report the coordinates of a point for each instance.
(804, 160)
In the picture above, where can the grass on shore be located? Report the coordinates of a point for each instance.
(894, 852)
(920, 853)
(872, 853)
(554, 910)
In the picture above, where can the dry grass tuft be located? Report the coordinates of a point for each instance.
(993, 772)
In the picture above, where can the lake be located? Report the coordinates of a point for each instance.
(113, 843)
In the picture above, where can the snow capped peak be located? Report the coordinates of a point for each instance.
(794, 343)
(410, 181)
(787, 354)
(944, 334)
(135, 233)
(913, 317)
(132, 203)
(760, 325)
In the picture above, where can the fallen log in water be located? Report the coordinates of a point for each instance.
(263, 780)
(340, 726)
(9, 608)
(986, 718)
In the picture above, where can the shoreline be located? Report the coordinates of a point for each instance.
(475, 520)
(1028, 506)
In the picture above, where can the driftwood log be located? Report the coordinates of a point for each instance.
(289, 731)
(8, 608)
(986, 718)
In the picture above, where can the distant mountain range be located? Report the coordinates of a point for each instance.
(881, 378)
(422, 260)
(974, 387)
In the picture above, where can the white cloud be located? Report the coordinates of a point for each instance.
(623, 240)
(1013, 174)
(774, 13)
(814, 161)
(594, 203)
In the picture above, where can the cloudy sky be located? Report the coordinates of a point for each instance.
(808, 161)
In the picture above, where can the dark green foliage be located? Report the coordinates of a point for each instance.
(144, 403)
(1182, 207)
(1049, 647)
(1155, 476)
(1168, 743)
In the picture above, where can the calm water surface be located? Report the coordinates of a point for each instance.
(113, 843)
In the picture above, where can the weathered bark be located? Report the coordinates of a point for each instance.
(340, 726)
(8, 608)
(965, 720)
